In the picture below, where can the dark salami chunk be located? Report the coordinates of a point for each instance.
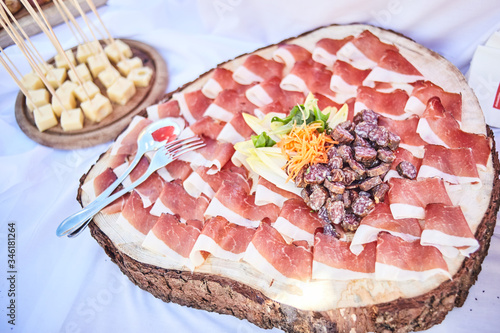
(350, 222)
(386, 155)
(334, 187)
(316, 174)
(358, 168)
(380, 136)
(336, 175)
(349, 176)
(345, 152)
(347, 125)
(360, 142)
(341, 135)
(370, 183)
(379, 192)
(318, 197)
(365, 155)
(362, 205)
(379, 170)
(370, 116)
(336, 211)
(299, 179)
(363, 129)
(406, 170)
(394, 141)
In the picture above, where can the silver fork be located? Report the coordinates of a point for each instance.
(73, 225)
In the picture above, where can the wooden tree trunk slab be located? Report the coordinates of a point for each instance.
(236, 288)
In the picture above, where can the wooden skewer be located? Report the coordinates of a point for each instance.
(94, 10)
(65, 18)
(11, 63)
(63, 6)
(14, 77)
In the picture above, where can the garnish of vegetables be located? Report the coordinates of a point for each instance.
(305, 145)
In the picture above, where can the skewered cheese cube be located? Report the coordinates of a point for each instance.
(68, 86)
(118, 50)
(32, 81)
(37, 97)
(61, 60)
(108, 76)
(45, 68)
(97, 63)
(89, 92)
(44, 117)
(126, 65)
(84, 51)
(72, 119)
(121, 91)
(140, 76)
(64, 99)
(82, 72)
(56, 76)
(97, 108)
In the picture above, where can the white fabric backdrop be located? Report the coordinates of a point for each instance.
(70, 285)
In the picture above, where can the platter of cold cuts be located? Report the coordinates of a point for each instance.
(347, 183)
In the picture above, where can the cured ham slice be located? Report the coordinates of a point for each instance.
(423, 91)
(175, 240)
(399, 260)
(192, 104)
(325, 51)
(289, 54)
(364, 51)
(297, 221)
(214, 155)
(308, 76)
(402, 155)
(390, 105)
(256, 69)
(407, 130)
(126, 143)
(235, 131)
(164, 110)
(379, 220)
(390, 87)
(150, 189)
(273, 107)
(205, 126)
(346, 78)
(96, 186)
(393, 67)
(332, 260)
(445, 131)
(229, 103)
(408, 198)
(176, 201)
(136, 215)
(175, 170)
(269, 91)
(453, 165)
(234, 202)
(267, 192)
(220, 80)
(223, 239)
(447, 229)
(270, 254)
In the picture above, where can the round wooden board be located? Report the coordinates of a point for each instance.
(110, 127)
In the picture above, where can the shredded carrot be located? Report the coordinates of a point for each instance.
(304, 145)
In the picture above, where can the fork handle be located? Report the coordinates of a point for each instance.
(76, 223)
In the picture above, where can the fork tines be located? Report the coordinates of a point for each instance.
(177, 148)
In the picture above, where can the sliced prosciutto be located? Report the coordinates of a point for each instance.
(444, 130)
(164, 110)
(175, 240)
(394, 68)
(256, 69)
(364, 51)
(175, 170)
(234, 202)
(407, 130)
(289, 54)
(332, 260)
(205, 126)
(136, 215)
(229, 103)
(221, 79)
(447, 229)
(390, 104)
(325, 50)
(269, 91)
(408, 198)
(453, 165)
(235, 131)
(297, 221)
(223, 239)
(192, 104)
(379, 220)
(267, 192)
(126, 143)
(402, 155)
(214, 155)
(423, 91)
(150, 189)
(96, 186)
(176, 201)
(269, 253)
(399, 260)
(346, 78)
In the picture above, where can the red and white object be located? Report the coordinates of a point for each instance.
(192, 105)
(221, 79)
(390, 104)
(289, 54)
(393, 68)
(256, 69)
(325, 50)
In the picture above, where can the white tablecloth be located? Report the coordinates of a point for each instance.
(70, 285)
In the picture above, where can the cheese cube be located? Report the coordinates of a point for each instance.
(68, 86)
(63, 100)
(72, 119)
(141, 76)
(121, 91)
(118, 50)
(108, 76)
(61, 60)
(126, 65)
(56, 76)
(32, 81)
(37, 97)
(97, 108)
(97, 63)
(82, 72)
(89, 92)
(44, 117)
(44, 68)
(84, 51)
